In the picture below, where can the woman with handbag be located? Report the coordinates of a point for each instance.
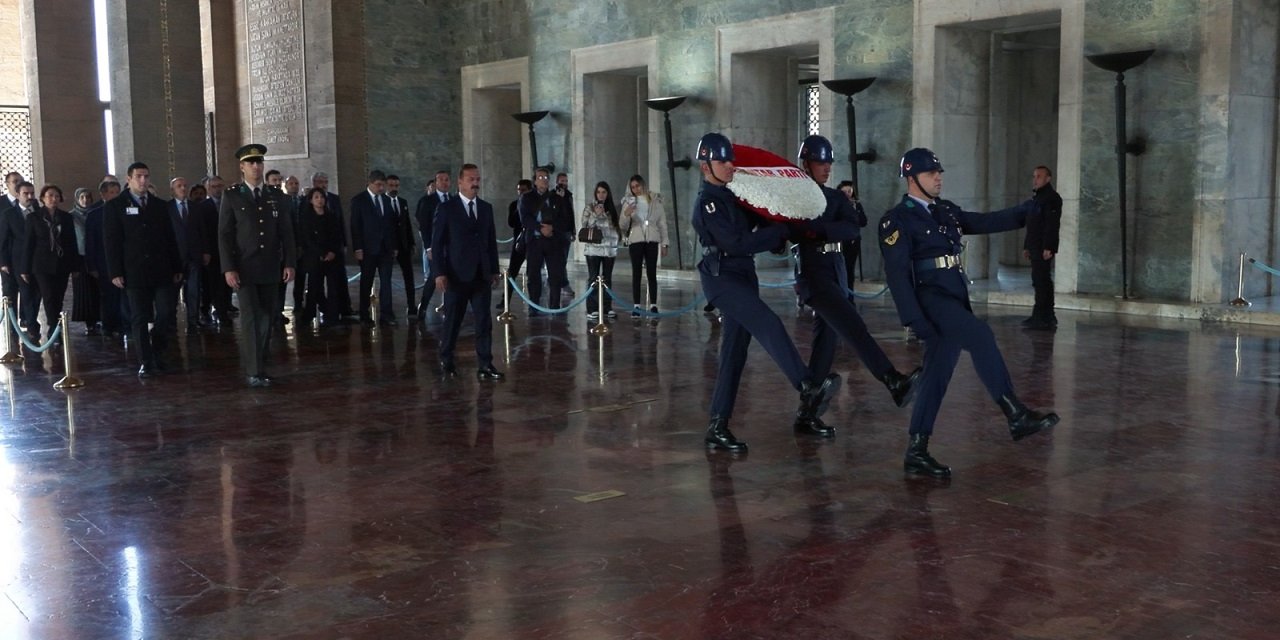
(644, 229)
(599, 236)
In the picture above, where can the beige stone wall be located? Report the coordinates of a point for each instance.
(13, 87)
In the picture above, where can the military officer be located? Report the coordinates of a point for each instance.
(921, 242)
(730, 237)
(822, 283)
(255, 238)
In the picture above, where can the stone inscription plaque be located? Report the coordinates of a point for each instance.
(277, 76)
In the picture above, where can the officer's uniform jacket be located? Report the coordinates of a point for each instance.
(139, 242)
(817, 270)
(912, 238)
(730, 238)
(255, 237)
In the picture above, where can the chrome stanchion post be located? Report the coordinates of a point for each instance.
(12, 354)
(601, 329)
(505, 317)
(1240, 301)
(69, 380)
(373, 307)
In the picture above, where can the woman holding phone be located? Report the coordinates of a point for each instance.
(600, 213)
(644, 229)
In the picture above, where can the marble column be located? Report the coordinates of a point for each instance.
(157, 106)
(68, 143)
(1236, 208)
(218, 44)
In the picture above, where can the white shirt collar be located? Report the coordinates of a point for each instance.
(924, 203)
(465, 201)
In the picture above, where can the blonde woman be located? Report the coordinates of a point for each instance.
(601, 214)
(644, 230)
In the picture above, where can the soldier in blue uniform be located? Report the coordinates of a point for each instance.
(921, 242)
(822, 283)
(730, 237)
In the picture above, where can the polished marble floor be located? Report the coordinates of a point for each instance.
(364, 497)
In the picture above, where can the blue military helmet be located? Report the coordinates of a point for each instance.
(816, 148)
(715, 146)
(918, 161)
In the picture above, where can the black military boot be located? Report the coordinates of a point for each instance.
(1023, 421)
(902, 387)
(918, 461)
(813, 426)
(719, 437)
(815, 397)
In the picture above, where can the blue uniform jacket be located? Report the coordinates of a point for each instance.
(817, 271)
(730, 236)
(909, 233)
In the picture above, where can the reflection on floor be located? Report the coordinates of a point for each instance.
(363, 497)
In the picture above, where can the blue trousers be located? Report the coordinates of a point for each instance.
(838, 318)
(958, 329)
(745, 316)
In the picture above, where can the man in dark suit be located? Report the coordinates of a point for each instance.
(9, 274)
(1041, 246)
(465, 267)
(24, 294)
(404, 244)
(296, 203)
(217, 295)
(142, 258)
(320, 180)
(373, 236)
(255, 238)
(275, 182)
(518, 239)
(437, 194)
(114, 319)
(545, 221)
(192, 251)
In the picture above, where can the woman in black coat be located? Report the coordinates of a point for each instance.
(320, 237)
(52, 253)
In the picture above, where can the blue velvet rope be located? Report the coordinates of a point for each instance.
(580, 300)
(697, 301)
(1271, 270)
(48, 344)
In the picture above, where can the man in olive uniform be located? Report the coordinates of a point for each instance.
(255, 237)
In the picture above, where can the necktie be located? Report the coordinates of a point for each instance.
(257, 193)
(395, 206)
(142, 201)
(182, 210)
(471, 209)
(381, 212)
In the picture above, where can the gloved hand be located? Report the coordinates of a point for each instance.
(923, 330)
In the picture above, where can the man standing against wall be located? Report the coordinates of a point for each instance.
(1041, 246)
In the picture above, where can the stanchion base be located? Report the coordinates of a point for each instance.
(1241, 302)
(601, 329)
(69, 382)
(10, 358)
(506, 317)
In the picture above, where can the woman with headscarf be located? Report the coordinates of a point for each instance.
(85, 302)
(51, 254)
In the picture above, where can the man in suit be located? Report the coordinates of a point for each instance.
(518, 240)
(255, 238)
(192, 250)
(293, 194)
(543, 218)
(8, 275)
(25, 295)
(11, 182)
(437, 194)
(465, 267)
(275, 182)
(216, 302)
(373, 236)
(320, 180)
(114, 319)
(143, 260)
(1041, 245)
(404, 244)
